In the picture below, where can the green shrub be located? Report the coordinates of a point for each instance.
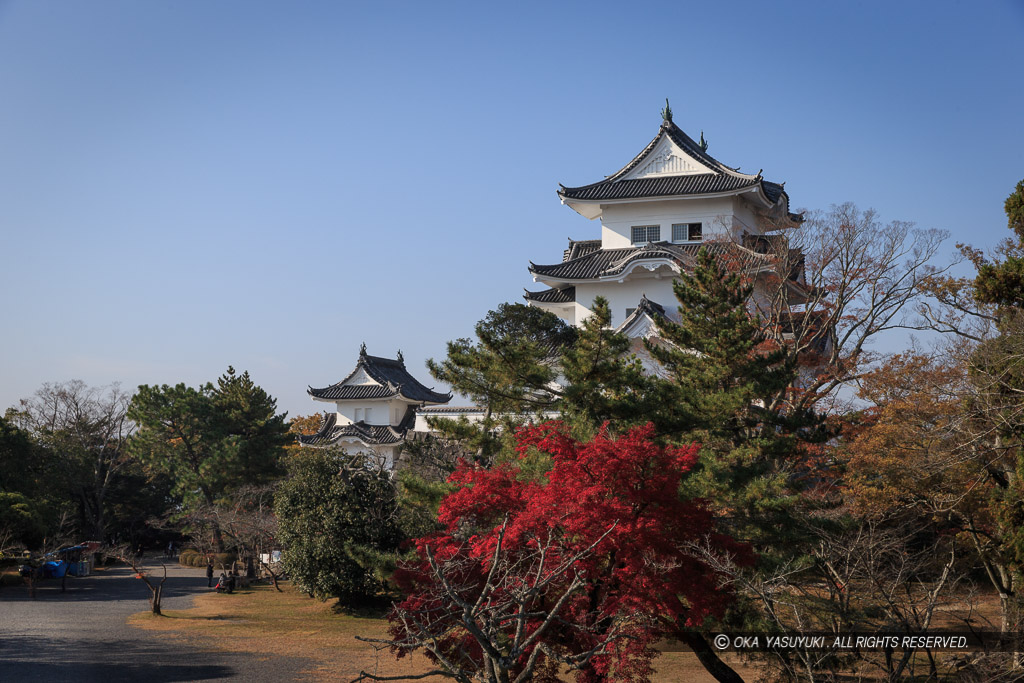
(193, 558)
(331, 521)
(189, 557)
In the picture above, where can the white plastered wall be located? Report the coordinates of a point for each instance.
(381, 412)
(626, 294)
(717, 216)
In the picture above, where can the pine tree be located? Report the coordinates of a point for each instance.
(211, 440)
(1002, 282)
(510, 371)
(719, 371)
(718, 363)
(603, 381)
(252, 429)
(718, 374)
(997, 373)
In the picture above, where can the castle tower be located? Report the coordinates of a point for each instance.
(656, 212)
(375, 407)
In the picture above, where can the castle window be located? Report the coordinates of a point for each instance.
(642, 234)
(369, 412)
(687, 232)
(359, 415)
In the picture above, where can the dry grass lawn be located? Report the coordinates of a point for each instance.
(265, 623)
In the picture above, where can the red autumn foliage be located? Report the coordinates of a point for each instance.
(584, 565)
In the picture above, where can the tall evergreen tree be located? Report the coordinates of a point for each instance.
(29, 489)
(1002, 282)
(254, 431)
(719, 367)
(718, 372)
(997, 373)
(178, 435)
(604, 381)
(209, 440)
(510, 371)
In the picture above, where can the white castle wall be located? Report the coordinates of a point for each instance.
(623, 295)
(618, 219)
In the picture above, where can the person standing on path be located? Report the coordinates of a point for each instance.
(209, 573)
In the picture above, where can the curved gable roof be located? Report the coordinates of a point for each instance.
(392, 378)
(330, 432)
(721, 179)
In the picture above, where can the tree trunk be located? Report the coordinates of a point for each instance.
(218, 538)
(158, 593)
(273, 576)
(722, 672)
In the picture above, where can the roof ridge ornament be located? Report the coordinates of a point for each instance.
(401, 358)
(666, 113)
(362, 350)
(703, 143)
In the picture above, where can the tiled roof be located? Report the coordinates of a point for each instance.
(721, 178)
(393, 378)
(552, 296)
(664, 186)
(579, 248)
(331, 432)
(610, 262)
(449, 410)
(773, 190)
(440, 411)
(355, 392)
(649, 307)
(645, 307)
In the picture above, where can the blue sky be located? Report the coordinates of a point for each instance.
(186, 185)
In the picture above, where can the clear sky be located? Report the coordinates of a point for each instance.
(190, 184)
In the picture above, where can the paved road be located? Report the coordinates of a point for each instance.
(81, 635)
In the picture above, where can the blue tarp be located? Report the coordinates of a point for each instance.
(54, 570)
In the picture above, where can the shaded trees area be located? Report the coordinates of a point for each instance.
(246, 525)
(209, 441)
(78, 462)
(26, 493)
(96, 463)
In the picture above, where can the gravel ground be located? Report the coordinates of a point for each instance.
(81, 635)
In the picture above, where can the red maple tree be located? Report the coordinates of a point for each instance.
(574, 554)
